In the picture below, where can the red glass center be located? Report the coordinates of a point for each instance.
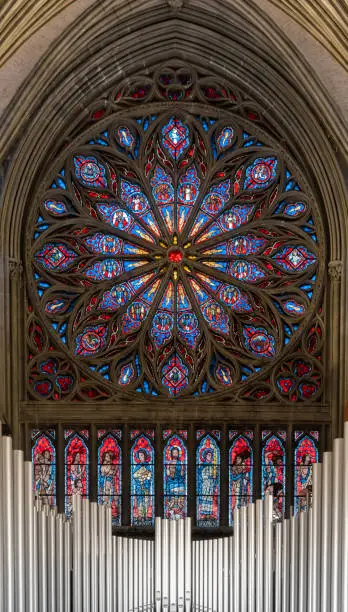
(175, 255)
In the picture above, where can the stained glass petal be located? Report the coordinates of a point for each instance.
(187, 322)
(163, 193)
(122, 220)
(212, 311)
(261, 173)
(163, 321)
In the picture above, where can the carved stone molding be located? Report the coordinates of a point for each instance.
(335, 269)
(175, 5)
(16, 270)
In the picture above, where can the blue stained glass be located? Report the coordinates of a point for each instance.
(246, 271)
(163, 192)
(224, 243)
(215, 200)
(175, 137)
(259, 341)
(138, 203)
(247, 244)
(225, 138)
(240, 474)
(175, 375)
(127, 375)
(90, 172)
(44, 466)
(228, 221)
(306, 453)
(208, 483)
(56, 306)
(55, 208)
(187, 322)
(133, 196)
(55, 256)
(122, 220)
(224, 376)
(229, 294)
(137, 311)
(294, 209)
(294, 259)
(212, 312)
(108, 244)
(110, 268)
(110, 476)
(273, 471)
(188, 190)
(261, 173)
(142, 483)
(163, 321)
(91, 341)
(119, 295)
(76, 467)
(175, 478)
(292, 307)
(125, 137)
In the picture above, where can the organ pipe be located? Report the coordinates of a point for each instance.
(48, 561)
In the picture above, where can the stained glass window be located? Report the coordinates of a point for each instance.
(241, 461)
(175, 255)
(142, 481)
(208, 481)
(44, 465)
(306, 453)
(76, 465)
(175, 474)
(110, 471)
(274, 469)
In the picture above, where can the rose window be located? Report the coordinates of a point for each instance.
(176, 254)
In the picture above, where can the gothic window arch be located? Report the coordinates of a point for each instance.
(241, 461)
(110, 472)
(208, 479)
(175, 251)
(174, 256)
(76, 466)
(142, 481)
(175, 469)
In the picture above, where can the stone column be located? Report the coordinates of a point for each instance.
(336, 357)
(15, 347)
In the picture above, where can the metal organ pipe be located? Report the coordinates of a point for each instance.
(297, 565)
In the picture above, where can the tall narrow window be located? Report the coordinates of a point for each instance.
(142, 479)
(208, 478)
(273, 469)
(175, 474)
(44, 464)
(241, 461)
(110, 471)
(76, 465)
(306, 453)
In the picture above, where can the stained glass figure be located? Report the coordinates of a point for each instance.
(165, 238)
(44, 465)
(306, 453)
(142, 482)
(240, 472)
(89, 171)
(208, 482)
(76, 466)
(175, 478)
(273, 470)
(175, 137)
(163, 193)
(110, 473)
